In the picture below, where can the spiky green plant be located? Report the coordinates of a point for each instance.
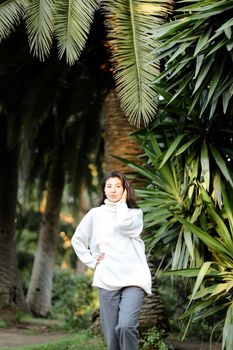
(188, 216)
(188, 213)
(212, 291)
(197, 47)
(167, 191)
(179, 154)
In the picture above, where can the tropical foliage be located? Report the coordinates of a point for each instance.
(131, 26)
(187, 171)
(188, 218)
(188, 157)
(198, 47)
(212, 291)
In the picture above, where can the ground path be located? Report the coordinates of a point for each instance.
(194, 345)
(29, 333)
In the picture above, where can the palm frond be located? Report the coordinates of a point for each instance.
(39, 23)
(227, 330)
(11, 12)
(72, 24)
(131, 26)
(199, 40)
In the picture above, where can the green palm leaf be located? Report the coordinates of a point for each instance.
(166, 170)
(205, 165)
(172, 149)
(131, 26)
(39, 23)
(11, 13)
(198, 39)
(228, 210)
(201, 306)
(186, 145)
(191, 272)
(211, 242)
(72, 24)
(201, 275)
(203, 40)
(228, 329)
(221, 163)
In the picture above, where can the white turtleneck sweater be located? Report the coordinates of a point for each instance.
(113, 229)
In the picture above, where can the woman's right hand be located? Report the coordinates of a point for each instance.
(124, 196)
(100, 257)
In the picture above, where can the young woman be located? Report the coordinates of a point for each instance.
(108, 240)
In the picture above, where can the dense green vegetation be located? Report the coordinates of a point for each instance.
(188, 191)
(52, 149)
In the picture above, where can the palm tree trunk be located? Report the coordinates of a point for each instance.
(40, 288)
(153, 312)
(119, 143)
(11, 292)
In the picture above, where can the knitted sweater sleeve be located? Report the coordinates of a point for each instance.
(129, 221)
(81, 240)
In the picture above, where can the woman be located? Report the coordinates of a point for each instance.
(108, 240)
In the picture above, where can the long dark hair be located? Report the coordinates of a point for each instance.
(131, 200)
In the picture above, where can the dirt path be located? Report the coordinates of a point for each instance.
(28, 334)
(194, 345)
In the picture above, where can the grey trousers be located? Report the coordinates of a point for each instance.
(119, 312)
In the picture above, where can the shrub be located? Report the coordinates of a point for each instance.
(153, 340)
(73, 297)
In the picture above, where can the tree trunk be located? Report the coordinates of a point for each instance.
(11, 292)
(153, 313)
(117, 141)
(40, 288)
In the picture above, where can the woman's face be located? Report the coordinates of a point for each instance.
(113, 189)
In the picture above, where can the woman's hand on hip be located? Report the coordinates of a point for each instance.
(100, 257)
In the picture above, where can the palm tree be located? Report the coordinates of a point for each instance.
(66, 144)
(26, 110)
(11, 294)
(132, 54)
(16, 68)
(118, 144)
(131, 25)
(40, 287)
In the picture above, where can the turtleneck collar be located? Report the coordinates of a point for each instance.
(106, 201)
(111, 206)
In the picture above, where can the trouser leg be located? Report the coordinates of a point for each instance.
(109, 311)
(129, 308)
